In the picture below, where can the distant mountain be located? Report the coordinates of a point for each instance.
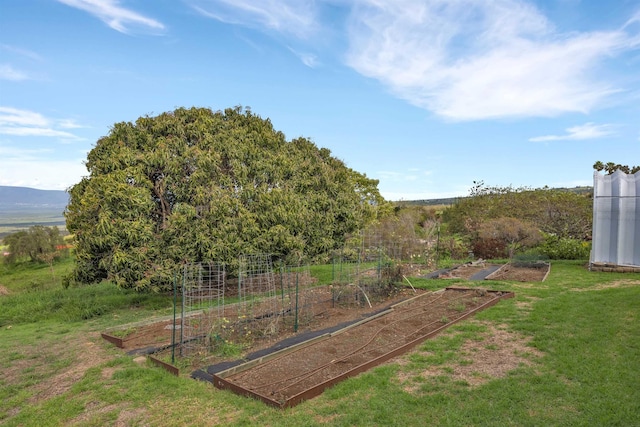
(22, 207)
(22, 197)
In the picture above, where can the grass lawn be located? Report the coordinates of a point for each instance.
(562, 352)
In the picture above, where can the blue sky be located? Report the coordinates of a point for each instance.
(426, 96)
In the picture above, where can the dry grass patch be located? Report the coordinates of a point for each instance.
(95, 414)
(524, 285)
(107, 373)
(325, 419)
(128, 416)
(526, 304)
(501, 351)
(627, 283)
(13, 374)
(492, 355)
(192, 410)
(88, 355)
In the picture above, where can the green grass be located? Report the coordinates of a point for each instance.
(585, 324)
(37, 295)
(324, 273)
(25, 276)
(330, 273)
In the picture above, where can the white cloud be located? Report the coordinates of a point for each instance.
(21, 154)
(14, 116)
(575, 133)
(69, 124)
(20, 51)
(31, 131)
(635, 19)
(42, 174)
(111, 13)
(293, 17)
(35, 168)
(17, 122)
(7, 72)
(470, 60)
(460, 59)
(308, 59)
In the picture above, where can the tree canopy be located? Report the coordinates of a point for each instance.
(611, 167)
(38, 243)
(558, 212)
(193, 185)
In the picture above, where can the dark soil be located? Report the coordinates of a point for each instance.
(288, 375)
(534, 272)
(150, 337)
(154, 337)
(466, 271)
(345, 349)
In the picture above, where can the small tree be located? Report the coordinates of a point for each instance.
(39, 243)
(512, 232)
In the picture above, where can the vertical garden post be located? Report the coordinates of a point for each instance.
(295, 323)
(173, 332)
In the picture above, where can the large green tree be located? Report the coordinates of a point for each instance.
(193, 185)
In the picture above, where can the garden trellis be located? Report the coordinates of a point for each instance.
(218, 313)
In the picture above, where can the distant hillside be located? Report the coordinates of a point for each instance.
(450, 201)
(22, 207)
(12, 197)
(430, 202)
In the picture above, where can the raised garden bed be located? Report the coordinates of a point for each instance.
(294, 374)
(522, 272)
(514, 271)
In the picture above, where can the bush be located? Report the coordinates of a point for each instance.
(515, 234)
(452, 247)
(564, 248)
(490, 248)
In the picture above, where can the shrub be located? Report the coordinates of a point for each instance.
(452, 247)
(564, 248)
(513, 233)
(490, 248)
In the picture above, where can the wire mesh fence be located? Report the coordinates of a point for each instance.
(202, 304)
(220, 313)
(302, 299)
(258, 303)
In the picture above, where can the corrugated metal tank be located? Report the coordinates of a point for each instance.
(616, 219)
